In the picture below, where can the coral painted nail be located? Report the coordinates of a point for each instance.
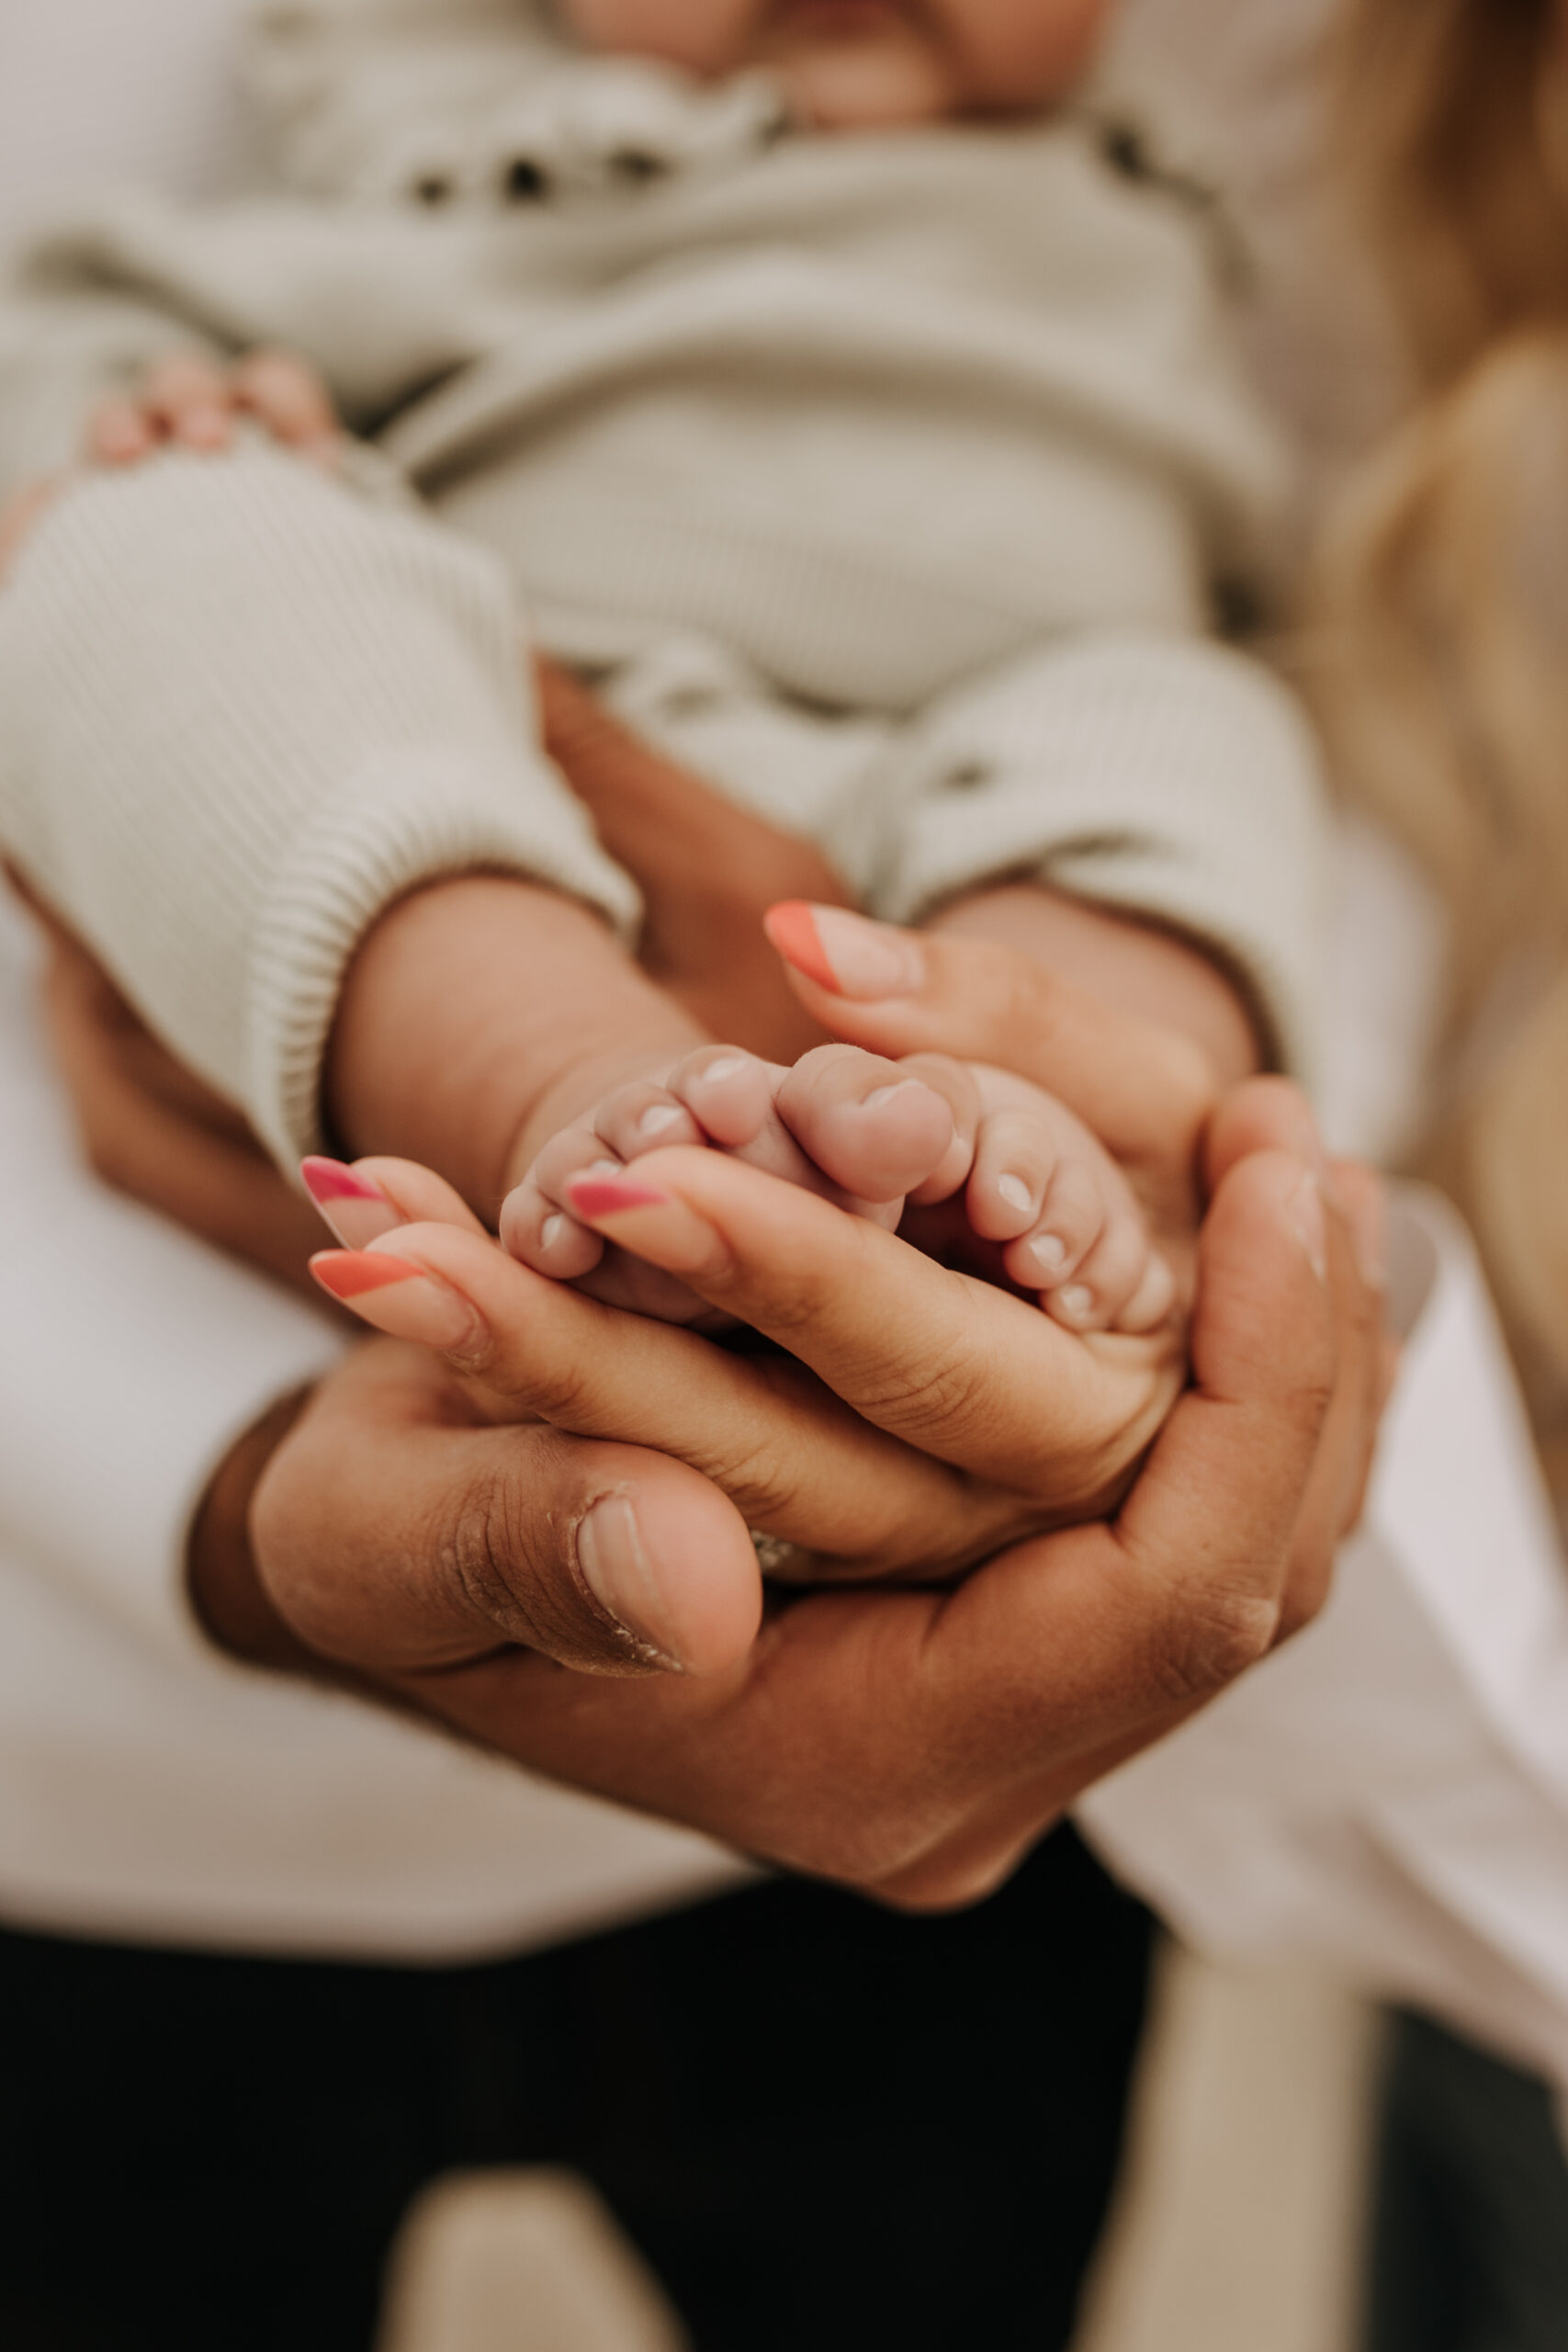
(791, 928)
(843, 952)
(398, 1298)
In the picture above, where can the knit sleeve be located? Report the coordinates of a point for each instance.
(1160, 775)
(247, 710)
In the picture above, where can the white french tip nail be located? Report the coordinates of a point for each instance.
(1015, 1192)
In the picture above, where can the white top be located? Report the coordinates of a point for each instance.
(148, 1786)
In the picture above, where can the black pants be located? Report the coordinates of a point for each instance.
(1470, 2246)
(824, 2125)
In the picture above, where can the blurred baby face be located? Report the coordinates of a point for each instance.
(864, 63)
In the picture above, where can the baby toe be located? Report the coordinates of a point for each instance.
(535, 1230)
(1014, 1163)
(643, 1117)
(727, 1091)
(1152, 1300)
(1071, 1215)
(873, 1131)
(1106, 1276)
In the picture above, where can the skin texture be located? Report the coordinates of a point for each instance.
(865, 65)
(391, 1533)
(912, 1743)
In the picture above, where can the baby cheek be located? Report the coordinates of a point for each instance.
(1019, 52)
(704, 36)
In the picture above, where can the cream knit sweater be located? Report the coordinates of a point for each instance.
(888, 478)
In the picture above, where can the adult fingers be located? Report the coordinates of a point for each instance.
(396, 1539)
(800, 1464)
(1146, 1091)
(911, 1743)
(916, 1347)
(360, 1202)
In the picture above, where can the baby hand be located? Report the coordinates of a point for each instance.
(188, 401)
(870, 1134)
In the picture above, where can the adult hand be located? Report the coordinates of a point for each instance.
(911, 1742)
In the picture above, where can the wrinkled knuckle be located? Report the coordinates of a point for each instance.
(490, 1556)
(1216, 1641)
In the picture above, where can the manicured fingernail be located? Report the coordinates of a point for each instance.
(357, 1210)
(597, 1196)
(844, 951)
(1077, 1301)
(614, 1565)
(1304, 1209)
(398, 1298)
(1015, 1192)
(651, 1224)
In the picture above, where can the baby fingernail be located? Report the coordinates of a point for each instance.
(357, 1210)
(555, 1228)
(1049, 1252)
(398, 1298)
(1305, 1210)
(1015, 1193)
(613, 1563)
(844, 951)
(657, 1117)
(1075, 1301)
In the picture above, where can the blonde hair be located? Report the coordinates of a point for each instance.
(1440, 666)
(1453, 125)
(1440, 651)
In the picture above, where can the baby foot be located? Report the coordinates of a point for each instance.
(871, 1134)
(865, 1132)
(1044, 1186)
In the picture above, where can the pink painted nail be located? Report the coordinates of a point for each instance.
(398, 1298)
(593, 1196)
(357, 1210)
(334, 1180)
(843, 952)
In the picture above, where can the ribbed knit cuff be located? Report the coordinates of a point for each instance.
(403, 820)
(247, 709)
(1174, 780)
